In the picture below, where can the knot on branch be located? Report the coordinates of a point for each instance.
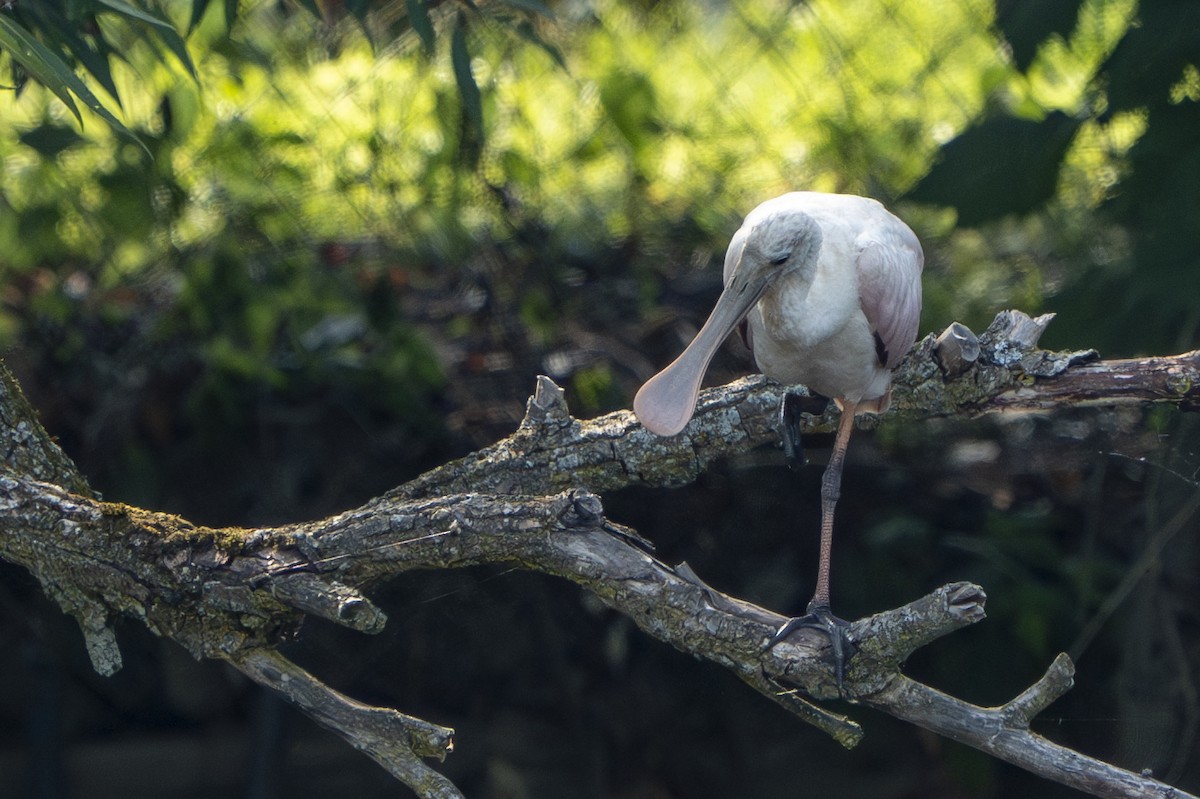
(957, 370)
(329, 599)
(585, 509)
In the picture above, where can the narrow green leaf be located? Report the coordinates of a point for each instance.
(468, 90)
(312, 8)
(94, 59)
(527, 32)
(166, 31)
(19, 77)
(198, 9)
(460, 58)
(39, 61)
(49, 70)
(127, 10)
(418, 17)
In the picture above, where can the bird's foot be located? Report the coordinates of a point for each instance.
(820, 617)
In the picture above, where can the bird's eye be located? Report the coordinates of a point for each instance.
(778, 260)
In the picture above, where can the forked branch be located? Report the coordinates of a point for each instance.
(231, 593)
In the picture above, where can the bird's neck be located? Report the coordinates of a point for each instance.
(809, 306)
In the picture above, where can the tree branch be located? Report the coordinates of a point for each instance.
(231, 593)
(395, 741)
(1003, 732)
(957, 374)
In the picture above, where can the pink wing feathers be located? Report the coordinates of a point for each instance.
(889, 262)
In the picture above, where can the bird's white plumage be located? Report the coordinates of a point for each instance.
(830, 287)
(817, 326)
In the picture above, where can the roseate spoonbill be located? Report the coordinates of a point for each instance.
(827, 290)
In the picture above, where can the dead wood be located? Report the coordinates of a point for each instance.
(233, 593)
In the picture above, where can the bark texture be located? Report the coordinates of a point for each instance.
(233, 593)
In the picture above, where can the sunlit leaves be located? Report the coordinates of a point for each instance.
(39, 61)
(50, 39)
(627, 126)
(1026, 26)
(1062, 76)
(163, 29)
(52, 72)
(1187, 89)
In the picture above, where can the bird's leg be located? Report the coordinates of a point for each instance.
(831, 489)
(819, 615)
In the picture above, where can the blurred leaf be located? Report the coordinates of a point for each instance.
(58, 28)
(50, 140)
(418, 17)
(359, 9)
(39, 61)
(51, 72)
(1025, 26)
(529, 34)
(127, 202)
(533, 6)
(311, 7)
(468, 90)
(166, 31)
(630, 101)
(198, 9)
(18, 76)
(1001, 166)
(39, 222)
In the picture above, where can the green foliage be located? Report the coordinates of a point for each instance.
(1099, 138)
(47, 41)
(1027, 26)
(565, 179)
(983, 187)
(38, 61)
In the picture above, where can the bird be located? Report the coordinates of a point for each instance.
(826, 290)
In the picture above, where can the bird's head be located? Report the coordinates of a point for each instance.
(767, 247)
